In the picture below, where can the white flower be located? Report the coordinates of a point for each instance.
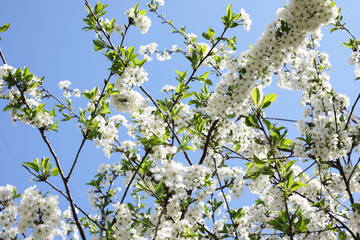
(76, 92)
(67, 94)
(64, 84)
(354, 58)
(128, 144)
(148, 50)
(128, 101)
(174, 48)
(246, 18)
(4, 68)
(160, 2)
(168, 88)
(163, 56)
(191, 36)
(143, 23)
(118, 29)
(133, 76)
(357, 69)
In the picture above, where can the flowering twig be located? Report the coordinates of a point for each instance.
(167, 122)
(225, 200)
(65, 182)
(65, 196)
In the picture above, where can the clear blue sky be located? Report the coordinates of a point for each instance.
(47, 37)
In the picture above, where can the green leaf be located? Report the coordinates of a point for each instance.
(105, 110)
(55, 171)
(342, 235)
(256, 96)
(289, 165)
(33, 165)
(248, 122)
(356, 206)
(45, 163)
(276, 225)
(142, 12)
(54, 126)
(204, 75)
(52, 113)
(99, 45)
(268, 124)
(257, 160)
(275, 137)
(5, 27)
(297, 185)
(285, 142)
(347, 45)
(211, 33)
(268, 100)
(205, 35)
(229, 12)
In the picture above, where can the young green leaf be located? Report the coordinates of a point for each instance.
(268, 100)
(5, 27)
(256, 96)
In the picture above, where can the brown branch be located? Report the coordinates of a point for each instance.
(76, 158)
(207, 141)
(2, 57)
(351, 112)
(159, 221)
(71, 201)
(133, 176)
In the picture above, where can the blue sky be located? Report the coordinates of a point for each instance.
(47, 37)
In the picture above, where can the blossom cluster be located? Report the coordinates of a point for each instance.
(142, 22)
(132, 76)
(24, 99)
(150, 49)
(108, 134)
(35, 211)
(355, 60)
(246, 19)
(67, 91)
(256, 66)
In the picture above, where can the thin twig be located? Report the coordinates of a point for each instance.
(281, 119)
(159, 221)
(345, 28)
(351, 112)
(102, 29)
(226, 202)
(76, 158)
(71, 201)
(58, 100)
(2, 57)
(167, 122)
(133, 176)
